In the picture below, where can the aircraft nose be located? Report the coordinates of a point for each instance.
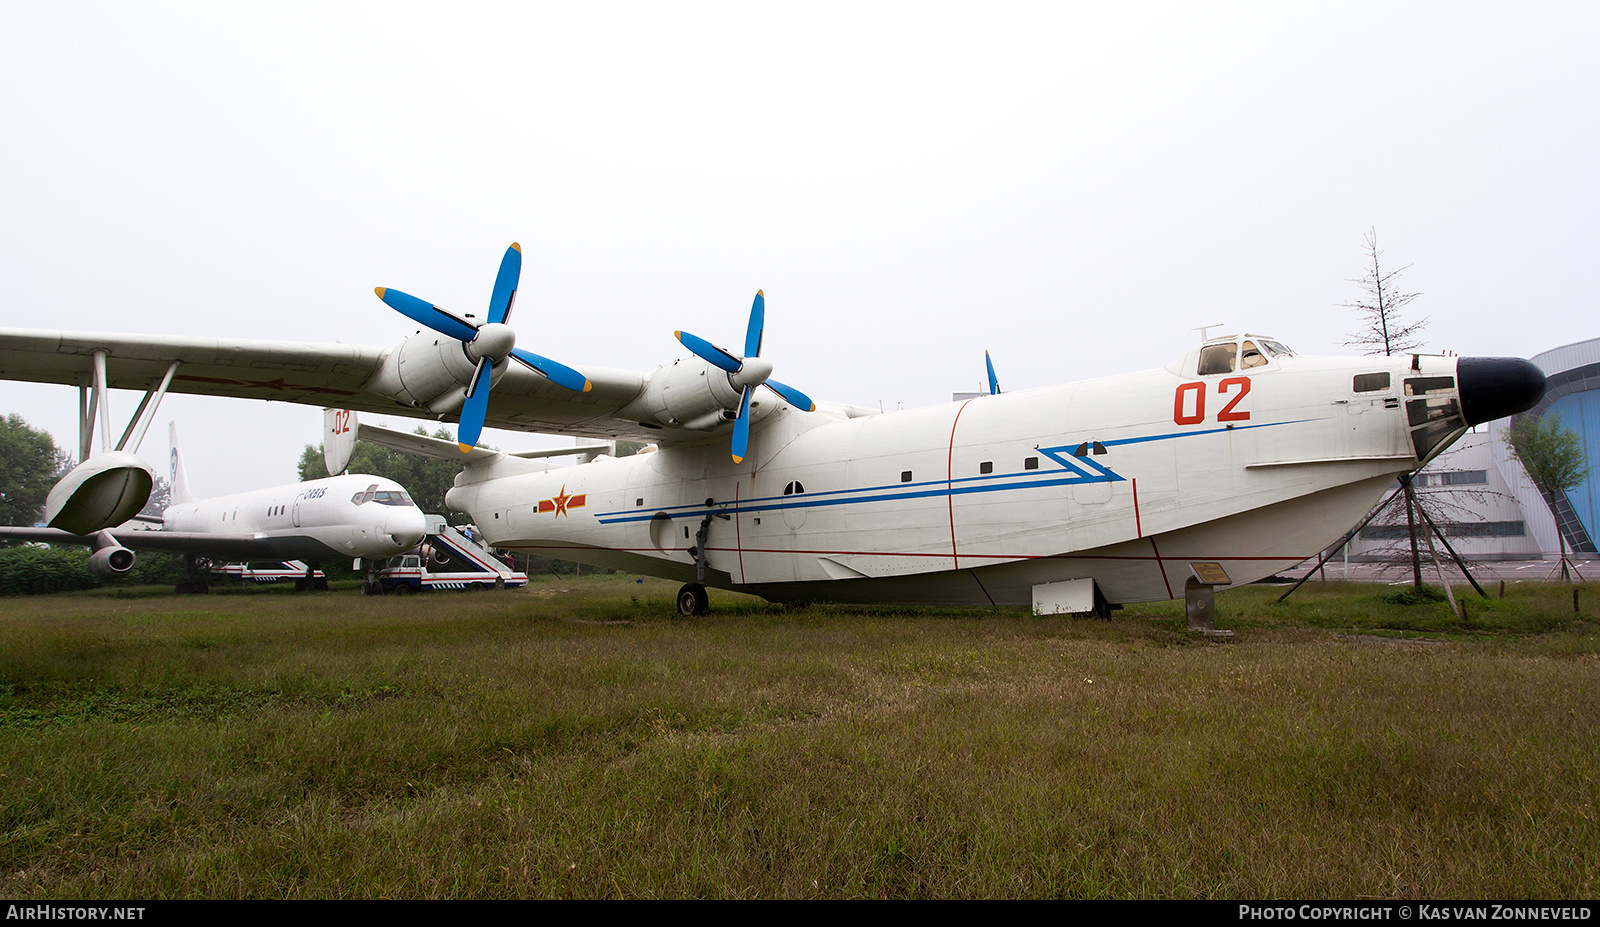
(406, 527)
(1495, 387)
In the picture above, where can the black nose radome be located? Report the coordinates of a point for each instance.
(1495, 387)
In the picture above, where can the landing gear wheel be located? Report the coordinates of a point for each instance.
(692, 600)
(402, 589)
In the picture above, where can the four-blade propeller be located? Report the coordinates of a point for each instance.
(746, 373)
(489, 344)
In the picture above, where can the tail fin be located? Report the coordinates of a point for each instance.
(178, 482)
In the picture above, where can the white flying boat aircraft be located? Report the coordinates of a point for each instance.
(1239, 459)
(352, 517)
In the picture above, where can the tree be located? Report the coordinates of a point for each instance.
(30, 463)
(1386, 333)
(1380, 308)
(1555, 460)
(160, 498)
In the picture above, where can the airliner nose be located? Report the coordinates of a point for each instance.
(1495, 387)
(406, 527)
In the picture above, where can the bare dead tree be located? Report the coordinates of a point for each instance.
(1380, 308)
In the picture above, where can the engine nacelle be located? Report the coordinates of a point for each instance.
(103, 491)
(430, 372)
(111, 561)
(693, 394)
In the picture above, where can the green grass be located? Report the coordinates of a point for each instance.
(577, 740)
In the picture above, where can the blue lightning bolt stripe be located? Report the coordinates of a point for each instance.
(1079, 470)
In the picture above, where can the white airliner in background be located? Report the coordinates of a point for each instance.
(355, 517)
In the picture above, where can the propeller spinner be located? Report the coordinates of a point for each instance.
(746, 372)
(489, 344)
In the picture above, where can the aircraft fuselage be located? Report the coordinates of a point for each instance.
(1129, 480)
(318, 520)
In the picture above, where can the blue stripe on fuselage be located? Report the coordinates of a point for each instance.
(960, 486)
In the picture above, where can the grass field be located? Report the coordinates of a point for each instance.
(576, 740)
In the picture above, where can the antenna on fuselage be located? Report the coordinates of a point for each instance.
(1206, 328)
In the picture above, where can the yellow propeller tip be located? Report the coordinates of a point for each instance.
(465, 448)
(516, 247)
(587, 386)
(738, 459)
(380, 290)
(761, 293)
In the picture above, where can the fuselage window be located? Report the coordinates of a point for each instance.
(1032, 463)
(905, 476)
(986, 467)
(1371, 382)
(794, 488)
(1217, 358)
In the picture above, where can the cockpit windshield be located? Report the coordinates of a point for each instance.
(1228, 356)
(382, 497)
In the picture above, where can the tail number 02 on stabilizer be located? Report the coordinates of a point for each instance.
(1197, 391)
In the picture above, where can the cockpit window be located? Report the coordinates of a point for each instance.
(382, 497)
(1275, 348)
(1217, 358)
(1251, 356)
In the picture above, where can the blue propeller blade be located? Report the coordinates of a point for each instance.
(709, 352)
(505, 284)
(793, 396)
(557, 373)
(741, 428)
(758, 321)
(994, 384)
(475, 409)
(426, 314)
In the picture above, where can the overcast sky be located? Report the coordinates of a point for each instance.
(1075, 187)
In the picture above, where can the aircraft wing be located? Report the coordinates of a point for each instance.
(327, 375)
(214, 546)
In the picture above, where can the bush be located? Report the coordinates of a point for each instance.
(1425, 595)
(30, 570)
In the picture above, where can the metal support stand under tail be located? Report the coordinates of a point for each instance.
(1200, 598)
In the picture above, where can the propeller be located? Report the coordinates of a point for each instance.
(747, 372)
(489, 344)
(994, 384)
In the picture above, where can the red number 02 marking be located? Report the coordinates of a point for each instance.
(341, 422)
(1228, 414)
(1190, 409)
(1198, 390)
